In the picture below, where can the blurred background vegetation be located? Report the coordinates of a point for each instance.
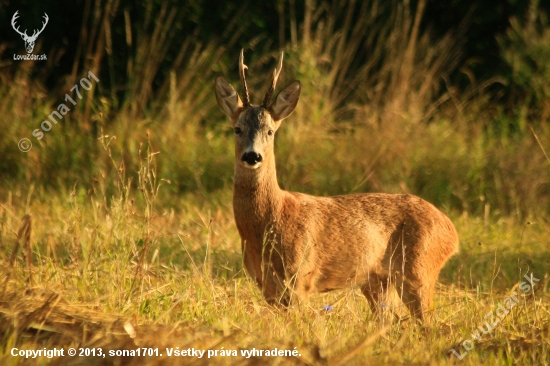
(447, 100)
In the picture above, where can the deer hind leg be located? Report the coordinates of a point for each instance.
(417, 294)
(376, 290)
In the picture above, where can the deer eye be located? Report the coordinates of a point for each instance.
(270, 132)
(237, 130)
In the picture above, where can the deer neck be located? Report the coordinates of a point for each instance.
(257, 197)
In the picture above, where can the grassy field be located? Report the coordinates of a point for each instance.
(117, 230)
(124, 277)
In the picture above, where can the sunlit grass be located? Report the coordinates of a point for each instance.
(92, 255)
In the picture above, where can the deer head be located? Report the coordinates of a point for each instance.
(29, 40)
(255, 126)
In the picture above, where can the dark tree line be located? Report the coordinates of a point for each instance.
(75, 34)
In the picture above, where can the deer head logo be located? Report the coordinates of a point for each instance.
(29, 40)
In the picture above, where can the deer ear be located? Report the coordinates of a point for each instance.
(227, 98)
(285, 102)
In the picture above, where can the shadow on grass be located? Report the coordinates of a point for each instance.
(500, 270)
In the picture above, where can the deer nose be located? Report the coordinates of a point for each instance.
(251, 157)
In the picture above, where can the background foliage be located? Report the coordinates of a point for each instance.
(397, 81)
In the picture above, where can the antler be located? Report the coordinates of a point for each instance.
(34, 34)
(276, 72)
(24, 34)
(243, 67)
(15, 16)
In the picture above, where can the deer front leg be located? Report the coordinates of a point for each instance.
(274, 287)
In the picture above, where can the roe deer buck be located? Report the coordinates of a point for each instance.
(295, 244)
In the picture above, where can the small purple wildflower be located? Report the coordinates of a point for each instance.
(327, 307)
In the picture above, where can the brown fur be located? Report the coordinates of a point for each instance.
(296, 244)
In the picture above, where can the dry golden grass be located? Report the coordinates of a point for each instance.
(129, 275)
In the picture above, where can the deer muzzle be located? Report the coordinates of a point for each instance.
(252, 159)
